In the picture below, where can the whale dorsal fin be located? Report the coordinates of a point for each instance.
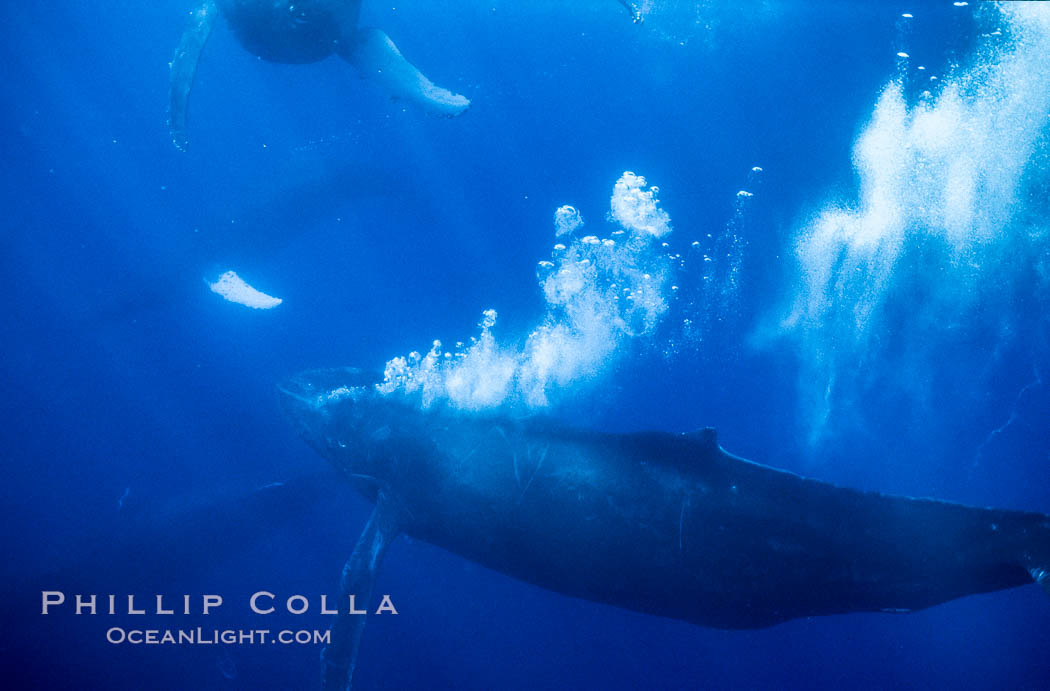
(707, 436)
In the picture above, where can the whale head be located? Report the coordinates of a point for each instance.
(342, 415)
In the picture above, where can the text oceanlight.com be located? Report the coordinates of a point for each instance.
(201, 636)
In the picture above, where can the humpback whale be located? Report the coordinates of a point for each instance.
(665, 524)
(302, 31)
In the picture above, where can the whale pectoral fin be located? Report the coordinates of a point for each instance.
(635, 9)
(184, 68)
(359, 576)
(376, 57)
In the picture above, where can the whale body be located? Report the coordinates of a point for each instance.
(301, 32)
(666, 524)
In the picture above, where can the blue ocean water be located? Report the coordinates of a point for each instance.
(871, 312)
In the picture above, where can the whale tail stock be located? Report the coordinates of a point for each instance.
(1041, 575)
(1033, 547)
(1038, 562)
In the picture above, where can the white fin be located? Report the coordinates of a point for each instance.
(233, 288)
(377, 58)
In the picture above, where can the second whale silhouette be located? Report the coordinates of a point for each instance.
(302, 31)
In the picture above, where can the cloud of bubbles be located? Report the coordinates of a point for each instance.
(944, 226)
(599, 292)
(712, 24)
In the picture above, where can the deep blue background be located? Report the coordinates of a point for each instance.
(382, 229)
